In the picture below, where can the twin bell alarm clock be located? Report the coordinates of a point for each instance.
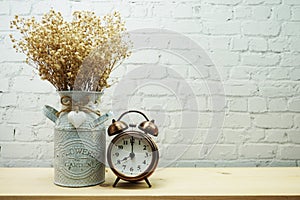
(132, 154)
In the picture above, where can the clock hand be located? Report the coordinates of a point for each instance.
(124, 159)
(132, 153)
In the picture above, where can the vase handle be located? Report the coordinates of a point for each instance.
(100, 120)
(50, 113)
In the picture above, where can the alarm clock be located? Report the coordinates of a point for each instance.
(132, 155)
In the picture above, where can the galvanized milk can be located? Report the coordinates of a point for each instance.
(79, 140)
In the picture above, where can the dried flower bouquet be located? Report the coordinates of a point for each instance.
(76, 55)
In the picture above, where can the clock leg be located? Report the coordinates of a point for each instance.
(116, 182)
(147, 181)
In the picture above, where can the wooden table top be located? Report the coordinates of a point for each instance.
(168, 183)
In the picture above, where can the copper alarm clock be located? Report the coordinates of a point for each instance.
(132, 155)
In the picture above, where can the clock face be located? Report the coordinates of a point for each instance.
(132, 155)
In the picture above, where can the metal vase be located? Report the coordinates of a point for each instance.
(79, 152)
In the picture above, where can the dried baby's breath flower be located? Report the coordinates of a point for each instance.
(76, 55)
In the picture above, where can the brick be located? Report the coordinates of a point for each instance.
(201, 104)
(40, 7)
(279, 74)
(221, 43)
(258, 44)
(294, 136)
(292, 2)
(10, 55)
(7, 132)
(77, 5)
(254, 135)
(122, 7)
(297, 121)
(24, 133)
(139, 25)
(219, 73)
(273, 120)
(282, 12)
(278, 44)
(239, 89)
(19, 150)
(258, 151)
(192, 72)
(256, 59)
(242, 12)
(242, 73)
(21, 8)
(296, 13)
(276, 91)
(238, 104)
(263, 28)
(278, 136)
(277, 104)
(254, 2)
(25, 117)
(171, 153)
(291, 28)
(239, 44)
(5, 22)
(232, 136)
(216, 13)
(183, 11)
(192, 152)
(294, 104)
(10, 70)
(184, 136)
(5, 8)
(287, 152)
(237, 120)
(295, 44)
(225, 58)
(224, 151)
(52, 99)
(257, 105)
(9, 99)
(162, 10)
(46, 150)
(282, 163)
(139, 10)
(4, 84)
(223, 2)
(183, 25)
(216, 103)
(295, 74)
(290, 60)
(171, 59)
(26, 84)
(261, 12)
(224, 28)
(273, 2)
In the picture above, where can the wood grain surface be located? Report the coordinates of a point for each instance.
(168, 183)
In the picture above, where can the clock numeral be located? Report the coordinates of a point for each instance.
(124, 166)
(139, 142)
(131, 169)
(144, 162)
(147, 154)
(125, 142)
(131, 140)
(139, 167)
(118, 162)
(117, 154)
(120, 147)
(145, 147)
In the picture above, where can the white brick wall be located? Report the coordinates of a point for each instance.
(254, 45)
